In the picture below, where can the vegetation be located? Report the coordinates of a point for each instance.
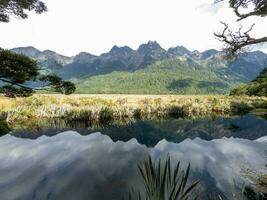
(165, 181)
(108, 108)
(257, 87)
(170, 76)
(4, 128)
(236, 41)
(17, 70)
(17, 8)
(162, 181)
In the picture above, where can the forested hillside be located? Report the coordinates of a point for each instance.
(151, 69)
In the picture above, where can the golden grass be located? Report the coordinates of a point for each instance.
(104, 108)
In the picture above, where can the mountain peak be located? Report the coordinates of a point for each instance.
(83, 53)
(29, 51)
(209, 53)
(151, 42)
(49, 52)
(120, 50)
(149, 47)
(84, 57)
(179, 51)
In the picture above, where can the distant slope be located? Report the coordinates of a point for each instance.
(170, 76)
(257, 87)
(151, 69)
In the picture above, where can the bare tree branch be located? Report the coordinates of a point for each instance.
(234, 42)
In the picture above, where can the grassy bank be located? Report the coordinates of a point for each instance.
(107, 108)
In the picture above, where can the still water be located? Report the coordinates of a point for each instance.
(74, 161)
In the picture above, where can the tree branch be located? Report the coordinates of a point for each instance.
(235, 41)
(23, 86)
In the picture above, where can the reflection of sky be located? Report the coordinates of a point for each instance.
(225, 159)
(70, 166)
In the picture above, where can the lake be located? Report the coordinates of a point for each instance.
(56, 160)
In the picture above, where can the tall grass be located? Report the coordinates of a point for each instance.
(163, 182)
(108, 108)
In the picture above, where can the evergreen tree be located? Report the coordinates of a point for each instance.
(17, 70)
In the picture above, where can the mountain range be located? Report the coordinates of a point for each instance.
(151, 69)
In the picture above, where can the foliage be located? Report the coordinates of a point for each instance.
(170, 76)
(4, 128)
(57, 85)
(18, 8)
(17, 70)
(257, 87)
(236, 41)
(108, 108)
(163, 182)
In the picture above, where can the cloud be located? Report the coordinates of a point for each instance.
(70, 166)
(211, 7)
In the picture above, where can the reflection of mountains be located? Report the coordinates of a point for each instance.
(151, 132)
(69, 166)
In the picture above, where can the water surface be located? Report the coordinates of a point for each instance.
(62, 160)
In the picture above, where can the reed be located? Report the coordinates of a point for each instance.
(164, 182)
(108, 108)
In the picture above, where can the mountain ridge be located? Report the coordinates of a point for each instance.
(149, 60)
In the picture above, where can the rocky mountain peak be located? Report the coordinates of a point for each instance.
(84, 57)
(209, 53)
(149, 47)
(179, 51)
(125, 50)
(29, 51)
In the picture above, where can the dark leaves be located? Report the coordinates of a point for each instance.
(18, 7)
(17, 70)
(14, 91)
(58, 85)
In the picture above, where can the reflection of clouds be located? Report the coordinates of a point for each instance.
(225, 159)
(71, 166)
(67, 166)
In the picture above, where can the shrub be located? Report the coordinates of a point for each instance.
(78, 115)
(105, 116)
(240, 107)
(4, 128)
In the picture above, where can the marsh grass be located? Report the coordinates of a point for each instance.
(109, 108)
(162, 181)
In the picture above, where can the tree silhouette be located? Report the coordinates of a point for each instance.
(17, 8)
(236, 41)
(17, 71)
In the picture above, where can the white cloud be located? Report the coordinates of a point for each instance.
(92, 166)
(96, 25)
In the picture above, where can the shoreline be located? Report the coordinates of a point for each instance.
(106, 108)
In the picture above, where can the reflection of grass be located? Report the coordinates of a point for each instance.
(162, 182)
(108, 108)
(4, 128)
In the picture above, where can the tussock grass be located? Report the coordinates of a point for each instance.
(108, 108)
(164, 182)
